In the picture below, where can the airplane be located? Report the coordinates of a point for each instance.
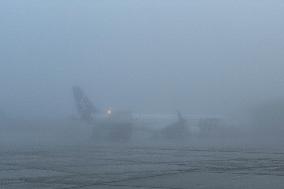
(113, 125)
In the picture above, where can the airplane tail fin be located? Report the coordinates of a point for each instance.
(83, 104)
(180, 117)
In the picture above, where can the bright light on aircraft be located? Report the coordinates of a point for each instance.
(109, 112)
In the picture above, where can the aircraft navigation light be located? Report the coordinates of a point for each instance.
(109, 112)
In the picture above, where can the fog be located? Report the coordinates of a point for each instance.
(118, 94)
(203, 57)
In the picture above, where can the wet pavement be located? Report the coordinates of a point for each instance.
(118, 167)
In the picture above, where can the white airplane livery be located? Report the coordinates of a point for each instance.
(114, 125)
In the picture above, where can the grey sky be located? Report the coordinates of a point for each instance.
(204, 57)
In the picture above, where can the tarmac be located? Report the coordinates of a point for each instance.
(138, 166)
